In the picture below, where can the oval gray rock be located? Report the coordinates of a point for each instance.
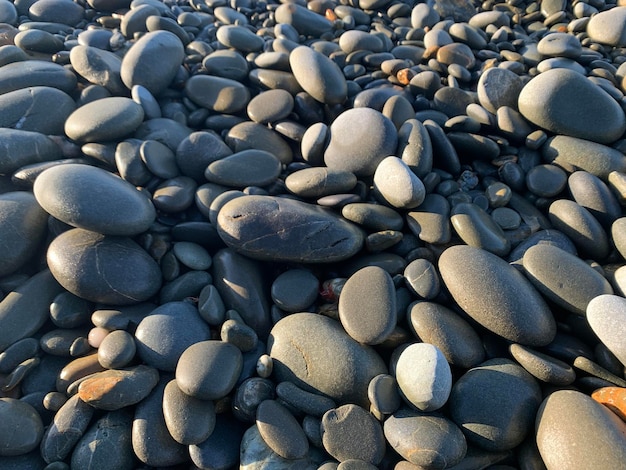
(101, 268)
(189, 420)
(608, 27)
(555, 99)
(281, 431)
(21, 428)
(93, 199)
(273, 228)
(606, 314)
(245, 168)
(496, 295)
(305, 348)
(319, 76)
(21, 148)
(153, 61)
(319, 182)
(218, 94)
(30, 73)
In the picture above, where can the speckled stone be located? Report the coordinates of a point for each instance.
(607, 27)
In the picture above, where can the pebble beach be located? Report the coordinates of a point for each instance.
(291, 235)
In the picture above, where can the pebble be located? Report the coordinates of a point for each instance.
(116, 350)
(222, 95)
(604, 314)
(575, 431)
(424, 376)
(21, 428)
(255, 452)
(189, 420)
(245, 168)
(281, 431)
(318, 75)
(397, 185)
(607, 27)
(318, 182)
(295, 290)
(543, 367)
(496, 295)
(612, 398)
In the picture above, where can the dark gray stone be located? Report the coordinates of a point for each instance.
(252, 135)
(295, 290)
(281, 431)
(221, 448)
(245, 168)
(99, 67)
(116, 350)
(218, 94)
(21, 148)
(309, 403)
(318, 75)
(31, 73)
(543, 367)
(319, 181)
(593, 194)
(21, 428)
(189, 420)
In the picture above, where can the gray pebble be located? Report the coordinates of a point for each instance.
(281, 431)
(116, 350)
(189, 420)
(317, 182)
(21, 427)
(593, 194)
(222, 95)
(295, 290)
(397, 185)
(605, 316)
(245, 168)
(543, 367)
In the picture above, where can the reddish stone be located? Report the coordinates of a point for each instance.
(614, 398)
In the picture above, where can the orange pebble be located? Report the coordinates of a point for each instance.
(404, 76)
(330, 15)
(95, 388)
(613, 398)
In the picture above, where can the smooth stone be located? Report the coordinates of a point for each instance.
(270, 106)
(297, 339)
(21, 429)
(189, 420)
(99, 38)
(384, 394)
(148, 102)
(114, 389)
(116, 350)
(67, 428)
(560, 63)
(593, 194)
(151, 441)
(36, 41)
(281, 431)
(24, 109)
(597, 159)
(564, 278)
(496, 295)
(422, 279)
(560, 45)
(495, 404)
(164, 334)
(360, 149)
(617, 231)
(609, 27)
(72, 372)
(549, 237)
(227, 64)
(305, 21)
(199, 150)
(106, 443)
(77, 250)
(431, 222)
(351, 432)
(129, 164)
(428, 440)
(104, 120)
(581, 227)
(160, 23)
(316, 182)
(478, 230)
(356, 40)
(574, 431)
(397, 185)
(99, 67)
(555, 98)
(239, 38)
(447, 157)
(318, 75)
(93, 199)
(221, 448)
(218, 94)
(424, 376)
(208, 370)
(22, 148)
(24, 310)
(612, 398)
(452, 335)
(605, 315)
(249, 394)
(251, 135)
(56, 11)
(245, 168)
(498, 87)
(546, 180)
(239, 334)
(31, 73)
(295, 290)
(452, 101)
(122, 318)
(309, 403)
(24, 225)
(314, 143)
(153, 61)
(240, 282)
(242, 224)
(192, 255)
(543, 367)
(367, 305)
(18, 352)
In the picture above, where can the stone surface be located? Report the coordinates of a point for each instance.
(281, 431)
(318, 75)
(605, 315)
(21, 427)
(189, 420)
(397, 185)
(496, 295)
(608, 26)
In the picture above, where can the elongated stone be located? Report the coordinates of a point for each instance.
(319, 76)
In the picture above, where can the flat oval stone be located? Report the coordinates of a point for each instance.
(422, 279)
(597, 159)
(30, 73)
(21, 428)
(415, 148)
(495, 404)
(281, 431)
(240, 38)
(574, 431)
(269, 106)
(163, 336)
(428, 440)
(305, 21)
(367, 305)
(25, 109)
(22, 148)
(309, 403)
(543, 367)
(153, 61)
(56, 11)
(564, 278)
(23, 227)
(117, 349)
(605, 315)
(104, 119)
(245, 225)
(17, 353)
(477, 229)
(560, 45)
(106, 443)
(617, 234)
(351, 432)
(546, 180)
(189, 420)
(93, 199)
(397, 185)
(553, 100)
(452, 335)
(593, 194)
(114, 389)
(424, 376)
(252, 135)
(295, 290)
(318, 75)
(99, 67)
(581, 227)
(317, 182)
(227, 64)
(498, 87)
(245, 168)
(101, 268)
(496, 295)
(304, 348)
(208, 370)
(373, 216)
(359, 149)
(608, 27)
(218, 94)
